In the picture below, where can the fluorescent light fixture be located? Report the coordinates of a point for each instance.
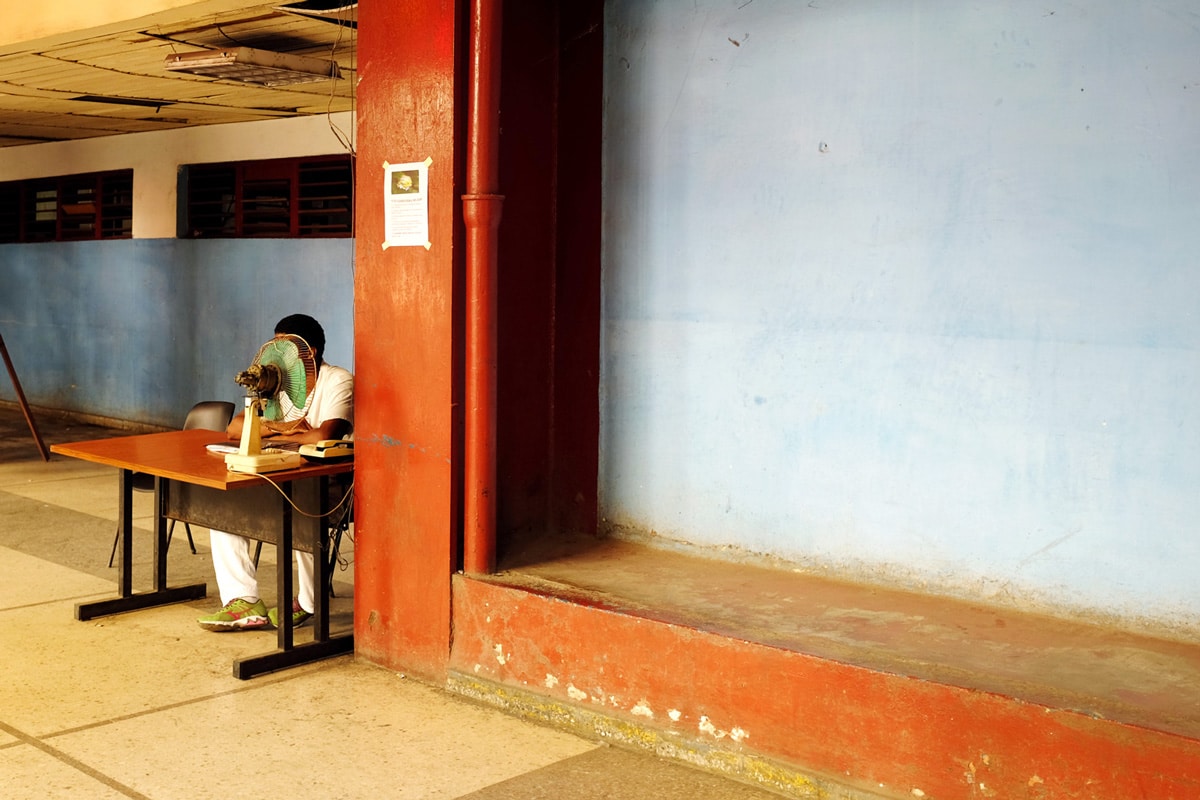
(247, 65)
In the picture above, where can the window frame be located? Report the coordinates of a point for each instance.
(83, 206)
(296, 198)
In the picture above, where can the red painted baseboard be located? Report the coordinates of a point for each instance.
(867, 729)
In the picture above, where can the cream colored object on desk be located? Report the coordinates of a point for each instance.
(328, 449)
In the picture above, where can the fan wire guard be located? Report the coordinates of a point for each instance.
(292, 360)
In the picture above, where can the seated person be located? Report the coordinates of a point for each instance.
(329, 414)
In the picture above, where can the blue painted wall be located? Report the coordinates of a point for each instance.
(909, 292)
(141, 329)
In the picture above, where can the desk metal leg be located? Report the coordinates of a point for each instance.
(125, 519)
(246, 668)
(285, 555)
(127, 600)
(160, 535)
(133, 602)
(322, 588)
(322, 646)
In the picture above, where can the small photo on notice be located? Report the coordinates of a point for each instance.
(406, 182)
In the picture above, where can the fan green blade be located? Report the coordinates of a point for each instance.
(293, 358)
(272, 410)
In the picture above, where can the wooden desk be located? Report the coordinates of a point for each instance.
(193, 485)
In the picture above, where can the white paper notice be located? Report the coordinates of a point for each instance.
(406, 204)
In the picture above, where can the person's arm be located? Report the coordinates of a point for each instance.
(332, 404)
(338, 399)
(335, 428)
(234, 429)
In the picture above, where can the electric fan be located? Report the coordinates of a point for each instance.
(277, 383)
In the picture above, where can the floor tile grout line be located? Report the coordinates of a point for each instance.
(41, 743)
(258, 683)
(102, 595)
(74, 763)
(50, 479)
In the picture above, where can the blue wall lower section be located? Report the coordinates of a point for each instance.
(142, 329)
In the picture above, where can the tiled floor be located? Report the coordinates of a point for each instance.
(144, 705)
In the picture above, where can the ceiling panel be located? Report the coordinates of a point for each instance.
(39, 86)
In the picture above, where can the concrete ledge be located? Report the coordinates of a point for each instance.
(835, 724)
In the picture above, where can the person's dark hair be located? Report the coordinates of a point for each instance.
(307, 328)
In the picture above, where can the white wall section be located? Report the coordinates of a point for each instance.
(155, 157)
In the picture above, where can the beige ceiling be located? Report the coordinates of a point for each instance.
(111, 80)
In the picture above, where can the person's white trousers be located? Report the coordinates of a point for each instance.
(237, 576)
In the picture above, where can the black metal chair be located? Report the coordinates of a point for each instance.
(209, 415)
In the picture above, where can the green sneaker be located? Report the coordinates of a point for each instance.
(299, 615)
(236, 615)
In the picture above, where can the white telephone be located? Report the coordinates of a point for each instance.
(328, 449)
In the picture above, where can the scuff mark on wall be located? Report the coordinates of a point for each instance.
(706, 726)
(735, 733)
(1034, 555)
(392, 442)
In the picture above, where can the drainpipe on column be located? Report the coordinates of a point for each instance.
(481, 216)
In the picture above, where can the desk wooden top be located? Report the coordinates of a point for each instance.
(182, 456)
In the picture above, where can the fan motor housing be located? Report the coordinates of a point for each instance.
(262, 380)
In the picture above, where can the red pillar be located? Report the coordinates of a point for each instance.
(405, 362)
